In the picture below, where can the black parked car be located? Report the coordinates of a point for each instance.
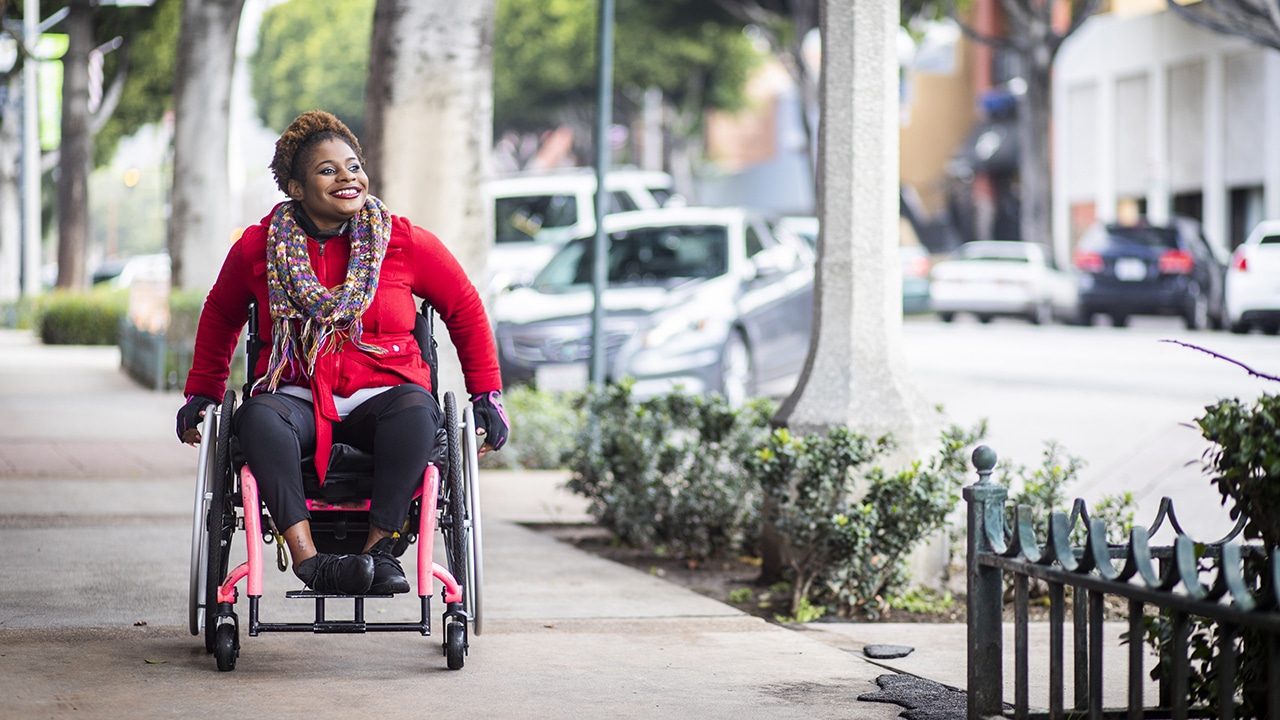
(1144, 269)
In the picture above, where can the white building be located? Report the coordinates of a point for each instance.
(1155, 116)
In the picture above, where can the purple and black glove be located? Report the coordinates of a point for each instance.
(491, 418)
(189, 416)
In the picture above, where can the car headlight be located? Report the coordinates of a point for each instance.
(675, 325)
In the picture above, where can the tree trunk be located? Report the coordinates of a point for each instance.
(10, 194)
(1035, 219)
(429, 127)
(856, 374)
(200, 216)
(76, 148)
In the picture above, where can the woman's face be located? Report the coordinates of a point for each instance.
(333, 187)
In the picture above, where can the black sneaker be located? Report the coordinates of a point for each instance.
(337, 574)
(388, 576)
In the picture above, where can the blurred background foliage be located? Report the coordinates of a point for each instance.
(312, 56)
(152, 35)
(544, 60)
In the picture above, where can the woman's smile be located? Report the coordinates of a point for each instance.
(334, 185)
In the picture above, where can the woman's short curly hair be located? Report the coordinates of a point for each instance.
(296, 142)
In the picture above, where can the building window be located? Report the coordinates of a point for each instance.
(1189, 205)
(1246, 211)
(1130, 210)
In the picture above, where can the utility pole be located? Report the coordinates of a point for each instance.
(604, 118)
(30, 153)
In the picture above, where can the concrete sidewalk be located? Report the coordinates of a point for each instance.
(95, 522)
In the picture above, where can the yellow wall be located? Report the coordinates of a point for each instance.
(942, 112)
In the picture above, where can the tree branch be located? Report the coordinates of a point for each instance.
(111, 98)
(989, 40)
(1248, 369)
(1242, 18)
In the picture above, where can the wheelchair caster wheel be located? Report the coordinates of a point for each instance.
(455, 645)
(226, 647)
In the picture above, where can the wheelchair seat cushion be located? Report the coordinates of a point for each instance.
(349, 475)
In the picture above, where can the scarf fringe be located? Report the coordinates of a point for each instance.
(308, 320)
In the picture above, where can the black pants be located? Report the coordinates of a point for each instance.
(398, 427)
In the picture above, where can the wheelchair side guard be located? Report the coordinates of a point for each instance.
(427, 567)
(428, 570)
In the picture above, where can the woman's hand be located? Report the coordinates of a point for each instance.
(190, 416)
(491, 420)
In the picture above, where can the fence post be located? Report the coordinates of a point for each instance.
(985, 591)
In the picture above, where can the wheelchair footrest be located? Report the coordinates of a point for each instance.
(323, 624)
(313, 595)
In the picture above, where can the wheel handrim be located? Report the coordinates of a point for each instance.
(199, 538)
(475, 538)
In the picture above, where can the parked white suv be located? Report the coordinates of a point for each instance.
(536, 213)
(1253, 290)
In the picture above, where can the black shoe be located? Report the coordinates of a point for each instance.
(388, 576)
(337, 574)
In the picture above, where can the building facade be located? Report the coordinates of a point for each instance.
(1155, 117)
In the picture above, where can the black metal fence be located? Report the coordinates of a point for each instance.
(1225, 585)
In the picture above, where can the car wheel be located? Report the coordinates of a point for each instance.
(984, 319)
(1239, 328)
(946, 317)
(1119, 320)
(1271, 328)
(736, 371)
(1042, 314)
(1197, 317)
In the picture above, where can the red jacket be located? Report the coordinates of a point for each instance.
(416, 264)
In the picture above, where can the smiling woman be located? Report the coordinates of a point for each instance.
(333, 276)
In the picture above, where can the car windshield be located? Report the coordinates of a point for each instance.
(647, 256)
(990, 251)
(519, 218)
(1155, 237)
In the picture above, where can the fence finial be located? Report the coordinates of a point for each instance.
(984, 459)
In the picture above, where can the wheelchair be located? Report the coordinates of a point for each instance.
(227, 501)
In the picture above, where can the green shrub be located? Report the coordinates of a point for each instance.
(1245, 461)
(544, 427)
(75, 318)
(668, 473)
(847, 547)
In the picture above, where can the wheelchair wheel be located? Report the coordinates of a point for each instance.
(220, 523)
(226, 646)
(474, 584)
(455, 645)
(206, 465)
(453, 516)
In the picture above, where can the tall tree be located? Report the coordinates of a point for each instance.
(1257, 20)
(200, 218)
(87, 104)
(76, 148)
(544, 61)
(295, 69)
(141, 91)
(1033, 36)
(429, 125)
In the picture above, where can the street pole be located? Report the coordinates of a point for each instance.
(604, 118)
(30, 154)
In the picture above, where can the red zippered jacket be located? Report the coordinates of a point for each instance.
(416, 264)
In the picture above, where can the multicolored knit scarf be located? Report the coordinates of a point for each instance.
(307, 318)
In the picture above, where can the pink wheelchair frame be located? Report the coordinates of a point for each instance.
(214, 591)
